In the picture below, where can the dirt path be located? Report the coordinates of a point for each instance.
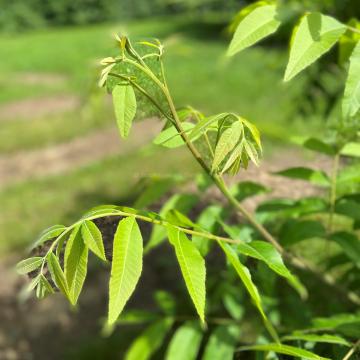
(67, 156)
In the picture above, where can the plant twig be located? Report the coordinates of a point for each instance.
(352, 351)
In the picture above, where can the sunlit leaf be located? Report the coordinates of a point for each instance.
(284, 349)
(269, 255)
(192, 266)
(75, 260)
(323, 338)
(315, 35)
(171, 138)
(258, 24)
(50, 233)
(57, 274)
(126, 266)
(93, 238)
(351, 101)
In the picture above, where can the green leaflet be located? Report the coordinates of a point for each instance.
(125, 107)
(349, 243)
(351, 101)
(235, 154)
(245, 277)
(222, 342)
(43, 287)
(314, 36)
(268, 254)
(149, 340)
(48, 234)
(228, 140)
(185, 343)
(258, 24)
(205, 123)
(284, 349)
(126, 266)
(245, 189)
(170, 137)
(324, 338)
(181, 202)
(29, 265)
(93, 238)
(351, 149)
(192, 266)
(317, 177)
(75, 264)
(57, 274)
(207, 220)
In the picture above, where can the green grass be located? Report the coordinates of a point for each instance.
(29, 207)
(198, 71)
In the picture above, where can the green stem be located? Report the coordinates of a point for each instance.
(354, 30)
(335, 169)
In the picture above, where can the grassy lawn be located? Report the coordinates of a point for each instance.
(30, 207)
(199, 74)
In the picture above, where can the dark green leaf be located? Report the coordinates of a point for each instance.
(245, 189)
(316, 177)
(350, 243)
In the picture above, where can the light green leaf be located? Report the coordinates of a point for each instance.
(205, 124)
(180, 202)
(149, 340)
(125, 107)
(222, 342)
(315, 35)
(245, 277)
(57, 274)
(93, 238)
(258, 24)
(316, 177)
(185, 343)
(43, 287)
(51, 232)
(126, 266)
(351, 149)
(228, 140)
(75, 264)
(351, 101)
(269, 255)
(192, 266)
(284, 349)
(29, 265)
(324, 338)
(170, 137)
(207, 221)
(235, 154)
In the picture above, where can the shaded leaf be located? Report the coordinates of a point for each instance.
(185, 343)
(125, 107)
(315, 35)
(349, 243)
(316, 177)
(29, 265)
(245, 189)
(149, 340)
(222, 342)
(126, 266)
(192, 266)
(57, 274)
(294, 231)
